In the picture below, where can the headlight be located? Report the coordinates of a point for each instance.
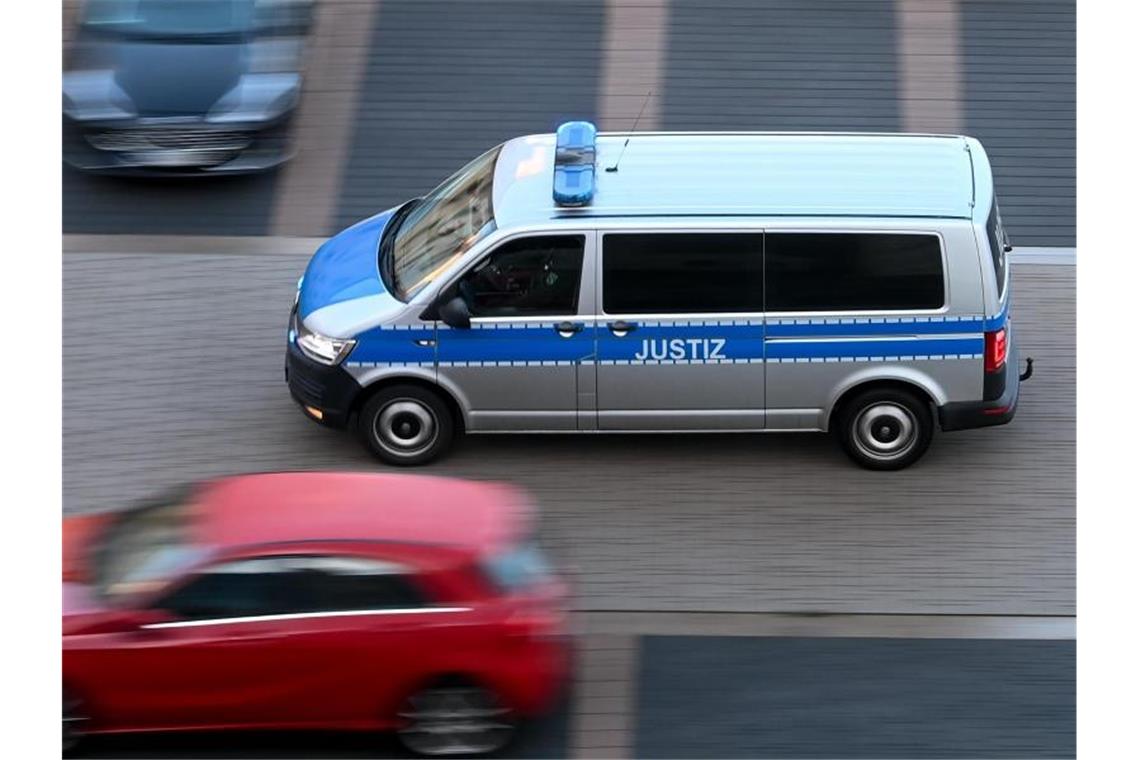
(256, 98)
(321, 348)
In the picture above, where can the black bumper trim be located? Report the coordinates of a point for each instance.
(966, 415)
(330, 389)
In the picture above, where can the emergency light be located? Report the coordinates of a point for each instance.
(574, 157)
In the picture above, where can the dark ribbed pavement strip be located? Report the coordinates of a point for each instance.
(448, 80)
(856, 698)
(172, 206)
(781, 65)
(1020, 101)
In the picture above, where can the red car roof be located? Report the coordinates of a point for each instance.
(302, 506)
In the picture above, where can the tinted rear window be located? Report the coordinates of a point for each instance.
(853, 272)
(996, 234)
(668, 273)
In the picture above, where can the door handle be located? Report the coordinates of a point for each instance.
(621, 328)
(569, 329)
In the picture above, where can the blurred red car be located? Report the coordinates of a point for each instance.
(314, 600)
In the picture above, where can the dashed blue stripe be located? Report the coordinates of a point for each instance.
(859, 329)
(868, 349)
(999, 320)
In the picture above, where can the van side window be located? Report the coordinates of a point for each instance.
(671, 273)
(853, 272)
(996, 234)
(533, 276)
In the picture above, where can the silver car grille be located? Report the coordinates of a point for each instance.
(172, 145)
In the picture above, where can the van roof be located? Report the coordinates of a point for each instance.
(749, 174)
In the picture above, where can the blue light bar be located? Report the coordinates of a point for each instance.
(574, 156)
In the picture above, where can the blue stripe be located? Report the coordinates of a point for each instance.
(740, 342)
(397, 346)
(541, 343)
(999, 320)
(514, 344)
(901, 327)
(868, 349)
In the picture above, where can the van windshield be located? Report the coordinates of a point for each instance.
(443, 226)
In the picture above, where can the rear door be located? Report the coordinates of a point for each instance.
(844, 307)
(680, 331)
(363, 632)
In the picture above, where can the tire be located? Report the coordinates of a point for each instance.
(74, 718)
(455, 719)
(406, 425)
(885, 428)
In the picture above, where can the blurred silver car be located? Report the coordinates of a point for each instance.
(183, 86)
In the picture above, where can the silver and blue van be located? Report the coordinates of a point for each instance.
(671, 282)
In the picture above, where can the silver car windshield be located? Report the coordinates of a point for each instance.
(170, 17)
(443, 226)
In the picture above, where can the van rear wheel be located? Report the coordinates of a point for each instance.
(406, 425)
(885, 428)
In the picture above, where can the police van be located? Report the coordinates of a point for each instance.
(669, 282)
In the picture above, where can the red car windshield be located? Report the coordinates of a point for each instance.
(143, 549)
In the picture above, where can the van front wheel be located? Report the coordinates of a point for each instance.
(406, 425)
(886, 428)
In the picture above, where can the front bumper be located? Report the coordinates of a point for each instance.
(329, 390)
(126, 149)
(966, 415)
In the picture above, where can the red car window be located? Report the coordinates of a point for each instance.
(294, 584)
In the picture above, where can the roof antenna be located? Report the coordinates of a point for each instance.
(644, 103)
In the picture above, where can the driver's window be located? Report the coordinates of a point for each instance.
(247, 588)
(533, 276)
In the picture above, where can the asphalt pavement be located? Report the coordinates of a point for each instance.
(173, 371)
(856, 698)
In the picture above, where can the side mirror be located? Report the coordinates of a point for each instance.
(454, 313)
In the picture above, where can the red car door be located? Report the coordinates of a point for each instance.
(212, 673)
(287, 640)
(365, 632)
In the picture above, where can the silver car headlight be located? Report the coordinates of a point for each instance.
(321, 348)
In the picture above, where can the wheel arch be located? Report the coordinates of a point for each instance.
(421, 380)
(436, 678)
(915, 382)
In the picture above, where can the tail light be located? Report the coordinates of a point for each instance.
(996, 347)
(538, 621)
